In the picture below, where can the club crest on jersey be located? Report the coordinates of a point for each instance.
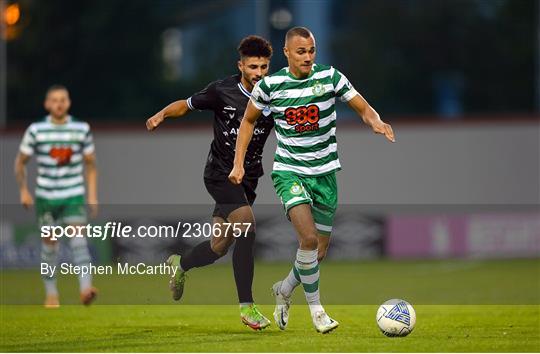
(318, 89)
(296, 189)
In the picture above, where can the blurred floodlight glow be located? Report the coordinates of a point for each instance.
(172, 53)
(12, 14)
(281, 18)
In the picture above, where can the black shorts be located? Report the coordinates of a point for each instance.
(230, 197)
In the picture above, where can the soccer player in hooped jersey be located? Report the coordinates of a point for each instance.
(301, 98)
(62, 146)
(228, 98)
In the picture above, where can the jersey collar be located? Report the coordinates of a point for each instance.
(48, 119)
(243, 90)
(297, 79)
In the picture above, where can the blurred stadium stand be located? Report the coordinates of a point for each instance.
(124, 60)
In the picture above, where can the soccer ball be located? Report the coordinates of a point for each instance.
(396, 318)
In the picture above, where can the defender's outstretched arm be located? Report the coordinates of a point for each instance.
(175, 109)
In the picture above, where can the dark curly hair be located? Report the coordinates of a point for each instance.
(255, 46)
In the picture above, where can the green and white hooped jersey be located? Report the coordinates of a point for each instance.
(304, 117)
(59, 150)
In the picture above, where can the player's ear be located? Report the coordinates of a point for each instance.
(240, 65)
(286, 52)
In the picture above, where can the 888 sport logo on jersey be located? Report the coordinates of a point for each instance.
(62, 154)
(303, 118)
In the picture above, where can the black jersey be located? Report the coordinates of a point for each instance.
(228, 99)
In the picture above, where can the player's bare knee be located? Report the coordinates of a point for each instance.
(249, 227)
(220, 245)
(219, 249)
(309, 242)
(242, 219)
(238, 229)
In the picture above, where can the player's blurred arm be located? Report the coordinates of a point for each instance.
(91, 173)
(371, 117)
(20, 175)
(242, 141)
(175, 109)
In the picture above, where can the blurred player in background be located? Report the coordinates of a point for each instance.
(228, 98)
(302, 98)
(63, 149)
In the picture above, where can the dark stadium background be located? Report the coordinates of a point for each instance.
(124, 59)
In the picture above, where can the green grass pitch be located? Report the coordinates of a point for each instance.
(461, 306)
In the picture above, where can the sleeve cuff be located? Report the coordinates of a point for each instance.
(26, 150)
(89, 149)
(257, 105)
(190, 105)
(349, 95)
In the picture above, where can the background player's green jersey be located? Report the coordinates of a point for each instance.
(59, 150)
(304, 117)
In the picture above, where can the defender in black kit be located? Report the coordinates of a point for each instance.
(228, 99)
